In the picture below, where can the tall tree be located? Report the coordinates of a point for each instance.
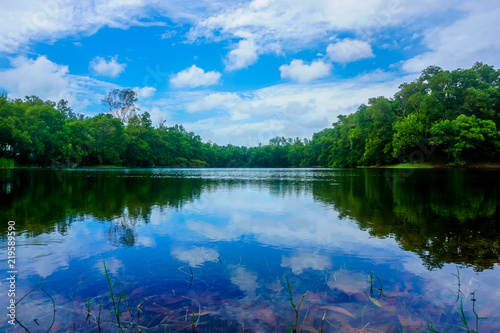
(121, 103)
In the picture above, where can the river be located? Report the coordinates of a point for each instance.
(236, 249)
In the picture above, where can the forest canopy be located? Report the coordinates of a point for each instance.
(446, 116)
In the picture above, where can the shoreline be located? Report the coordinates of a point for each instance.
(485, 165)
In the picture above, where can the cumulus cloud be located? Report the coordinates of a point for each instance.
(349, 50)
(194, 77)
(300, 72)
(212, 101)
(35, 77)
(296, 25)
(111, 68)
(49, 80)
(262, 26)
(244, 55)
(295, 109)
(159, 115)
(144, 92)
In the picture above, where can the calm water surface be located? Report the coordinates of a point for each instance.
(211, 250)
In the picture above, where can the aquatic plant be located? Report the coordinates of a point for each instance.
(459, 284)
(462, 317)
(380, 288)
(112, 312)
(295, 307)
(115, 298)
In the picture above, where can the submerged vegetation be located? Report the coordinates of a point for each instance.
(123, 309)
(446, 116)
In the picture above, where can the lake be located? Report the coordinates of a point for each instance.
(229, 250)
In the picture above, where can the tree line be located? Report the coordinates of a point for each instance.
(447, 116)
(444, 116)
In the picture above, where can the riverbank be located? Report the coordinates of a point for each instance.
(103, 166)
(486, 165)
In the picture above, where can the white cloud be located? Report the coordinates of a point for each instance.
(28, 21)
(261, 26)
(295, 25)
(49, 80)
(144, 92)
(39, 77)
(473, 38)
(212, 101)
(168, 34)
(158, 115)
(300, 72)
(349, 50)
(291, 110)
(194, 77)
(111, 68)
(244, 55)
(257, 4)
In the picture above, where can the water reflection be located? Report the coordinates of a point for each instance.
(214, 247)
(445, 216)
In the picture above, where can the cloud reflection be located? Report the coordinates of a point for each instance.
(245, 280)
(196, 256)
(306, 260)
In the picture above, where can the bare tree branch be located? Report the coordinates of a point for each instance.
(120, 103)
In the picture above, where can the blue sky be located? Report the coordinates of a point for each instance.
(238, 72)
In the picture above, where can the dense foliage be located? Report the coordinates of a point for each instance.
(452, 116)
(446, 116)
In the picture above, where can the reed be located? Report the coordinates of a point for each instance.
(462, 317)
(116, 298)
(295, 307)
(459, 284)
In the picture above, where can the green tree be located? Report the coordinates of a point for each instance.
(466, 137)
(408, 132)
